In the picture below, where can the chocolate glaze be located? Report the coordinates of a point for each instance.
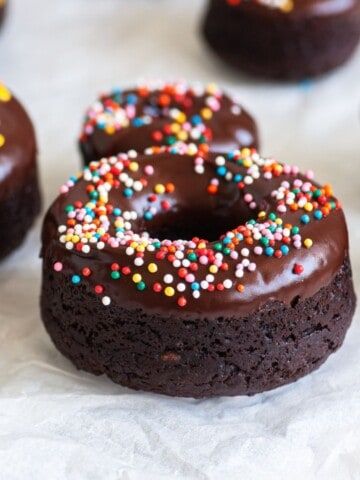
(312, 38)
(301, 8)
(18, 154)
(229, 130)
(274, 278)
(19, 190)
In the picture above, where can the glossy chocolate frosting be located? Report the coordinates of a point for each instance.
(18, 150)
(298, 8)
(229, 127)
(192, 207)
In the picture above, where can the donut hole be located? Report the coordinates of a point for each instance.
(186, 224)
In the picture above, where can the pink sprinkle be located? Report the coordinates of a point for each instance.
(64, 189)
(149, 170)
(258, 250)
(248, 197)
(58, 266)
(309, 174)
(287, 169)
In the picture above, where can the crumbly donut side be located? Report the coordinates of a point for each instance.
(197, 357)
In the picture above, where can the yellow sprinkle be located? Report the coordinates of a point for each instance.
(308, 207)
(134, 166)
(75, 239)
(110, 130)
(247, 162)
(212, 88)
(152, 267)
(183, 136)
(169, 291)
(308, 242)
(136, 278)
(2, 140)
(175, 128)
(5, 94)
(206, 113)
(213, 269)
(181, 117)
(288, 6)
(202, 245)
(159, 188)
(192, 149)
(279, 221)
(245, 152)
(262, 214)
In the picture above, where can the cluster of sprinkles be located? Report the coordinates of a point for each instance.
(187, 111)
(5, 96)
(193, 267)
(283, 5)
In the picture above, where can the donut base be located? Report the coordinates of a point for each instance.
(281, 47)
(197, 357)
(17, 214)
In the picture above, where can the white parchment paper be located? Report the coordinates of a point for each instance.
(60, 424)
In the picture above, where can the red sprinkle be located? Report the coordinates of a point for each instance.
(298, 269)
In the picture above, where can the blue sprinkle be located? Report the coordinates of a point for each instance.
(305, 219)
(195, 286)
(117, 212)
(238, 178)
(128, 192)
(269, 251)
(196, 120)
(132, 99)
(148, 215)
(221, 171)
(138, 122)
(284, 249)
(318, 214)
(76, 279)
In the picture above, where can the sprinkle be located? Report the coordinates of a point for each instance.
(106, 301)
(76, 279)
(198, 267)
(169, 291)
(298, 269)
(58, 266)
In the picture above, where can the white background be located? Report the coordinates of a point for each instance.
(57, 423)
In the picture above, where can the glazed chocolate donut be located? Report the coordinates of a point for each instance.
(284, 39)
(19, 189)
(148, 279)
(146, 116)
(153, 283)
(2, 10)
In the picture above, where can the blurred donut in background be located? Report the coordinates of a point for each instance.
(283, 39)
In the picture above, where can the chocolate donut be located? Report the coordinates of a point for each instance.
(2, 10)
(146, 116)
(283, 39)
(19, 189)
(196, 274)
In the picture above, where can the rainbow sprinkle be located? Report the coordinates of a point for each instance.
(194, 267)
(171, 102)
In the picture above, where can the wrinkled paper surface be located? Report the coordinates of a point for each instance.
(57, 423)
